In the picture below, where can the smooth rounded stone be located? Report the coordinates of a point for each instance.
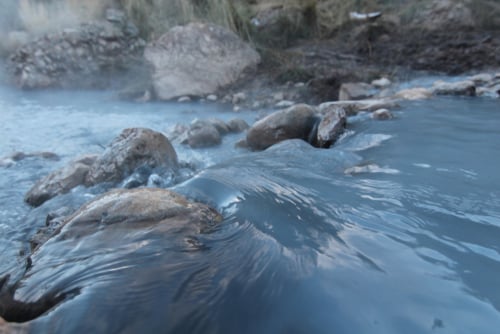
(60, 181)
(331, 126)
(294, 122)
(220, 125)
(103, 222)
(466, 87)
(355, 91)
(381, 83)
(413, 94)
(237, 125)
(133, 148)
(354, 107)
(140, 208)
(212, 98)
(184, 99)
(203, 134)
(382, 114)
(197, 59)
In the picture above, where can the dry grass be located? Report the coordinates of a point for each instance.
(38, 17)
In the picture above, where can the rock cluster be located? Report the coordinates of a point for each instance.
(78, 57)
(300, 121)
(134, 148)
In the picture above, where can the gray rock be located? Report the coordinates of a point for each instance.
(60, 181)
(133, 148)
(237, 125)
(354, 107)
(381, 83)
(466, 87)
(220, 125)
(330, 127)
(355, 91)
(382, 114)
(417, 93)
(203, 134)
(294, 122)
(197, 60)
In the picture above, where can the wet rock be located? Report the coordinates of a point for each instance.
(60, 181)
(203, 134)
(489, 91)
(481, 78)
(239, 98)
(220, 125)
(353, 107)
(382, 114)
(53, 222)
(197, 60)
(331, 126)
(237, 125)
(413, 94)
(133, 148)
(294, 122)
(355, 91)
(284, 104)
(381, 83)
(82, 57)
(465, 87)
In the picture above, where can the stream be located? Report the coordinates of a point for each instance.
(410, 245)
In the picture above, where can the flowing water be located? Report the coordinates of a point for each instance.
(409, 244)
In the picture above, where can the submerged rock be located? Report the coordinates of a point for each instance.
(60, 181)
(197, 60)
(296, 122)
(119, 212)
(133, 148)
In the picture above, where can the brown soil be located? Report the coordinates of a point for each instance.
(368, 51)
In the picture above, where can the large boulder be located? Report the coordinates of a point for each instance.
(355, 91)
(197, 59)
(296, 122)
(81, 57)
(60, 181)
(133, 148)
(120, 212)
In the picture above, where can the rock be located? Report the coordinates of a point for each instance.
(212, 98)
(237, 125)
(381, 83)
(465, 87)
(184, 99)
(414, 94)
(197, 60)
(133, 148)
(355, 91)
(76, 58)
(444, 14)
(382, 114)
(142, 207)
(107, 218)
(239, 98)
(242, 143)
(220, 125)
(331, 126)
(203, 134)
(481, 78)
(353, 107)
(60, 181)
(284, 104)
(294, 122)
(489, 91)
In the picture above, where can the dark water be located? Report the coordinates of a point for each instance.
(413, 246)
